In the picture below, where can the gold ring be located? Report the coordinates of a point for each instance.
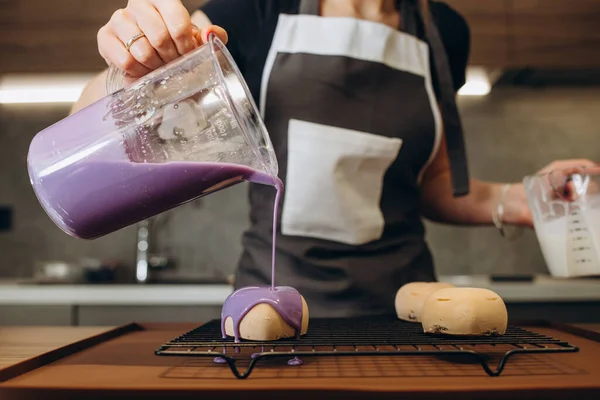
(132, 40)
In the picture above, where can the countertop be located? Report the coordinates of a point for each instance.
(18, 343)
(125, 366)
(542, 289)
(106, 294)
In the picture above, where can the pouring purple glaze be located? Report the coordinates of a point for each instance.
(286, 300)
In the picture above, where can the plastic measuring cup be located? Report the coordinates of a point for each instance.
(181, 132)
(565, 205)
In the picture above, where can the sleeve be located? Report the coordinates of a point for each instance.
(239, 18)
(456, 37)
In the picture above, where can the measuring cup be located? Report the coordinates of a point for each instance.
(565, 205)
(181, 132)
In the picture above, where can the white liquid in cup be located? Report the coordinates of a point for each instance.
(568, 253)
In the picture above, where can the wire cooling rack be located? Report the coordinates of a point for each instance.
(370, 336)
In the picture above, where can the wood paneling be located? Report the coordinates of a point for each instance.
(55, 35)
(590, 327)
(21, 343)
(555, 33)
(487, 21)
(60, 35)
(533, 33)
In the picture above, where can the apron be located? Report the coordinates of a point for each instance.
(354, 121)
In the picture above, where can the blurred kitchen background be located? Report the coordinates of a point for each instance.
(533, 96)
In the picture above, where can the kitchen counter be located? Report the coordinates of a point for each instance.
(125, 366)
(572, 301)
(542, 289)
(589, 327)
(18, 344)
(106, 294)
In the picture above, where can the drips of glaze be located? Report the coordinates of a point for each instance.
(295, 362)
(254, 355)
(221, 360)
(286, 300)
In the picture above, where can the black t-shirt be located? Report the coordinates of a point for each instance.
(251, 25)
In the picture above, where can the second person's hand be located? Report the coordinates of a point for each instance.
(156, 32)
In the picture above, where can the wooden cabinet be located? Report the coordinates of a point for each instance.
(533, 33)
(555, 33)
(488, 23)
(35, 315)
(21, 315)
(118, 315)
(60, 35)
(47, 36)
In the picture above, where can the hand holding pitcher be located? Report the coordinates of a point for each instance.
(147, 34)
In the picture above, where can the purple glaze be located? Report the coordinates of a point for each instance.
(295, 362)
(279, 187)
(284, 299)
(89, 199)
(254, 355)
(219, 360)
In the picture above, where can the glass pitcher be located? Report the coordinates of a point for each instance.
(565, 205)
(181, 132)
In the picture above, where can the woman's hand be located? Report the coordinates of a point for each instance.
(480, 205)
(517, 210)
(167, 34)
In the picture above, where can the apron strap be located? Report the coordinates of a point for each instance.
(408, 15)
(310, 7)
(451, 117)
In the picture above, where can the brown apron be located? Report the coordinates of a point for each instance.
(354, 121)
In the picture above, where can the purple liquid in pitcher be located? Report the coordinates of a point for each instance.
(90, 199)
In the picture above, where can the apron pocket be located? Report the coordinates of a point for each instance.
(334, 182)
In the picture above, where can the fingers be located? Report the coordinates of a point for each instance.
(217, 30)
(572, 179)
(125, 28)
(113, 50)
(589, 165)
(178, 23)
(150, 21)
(168, 33)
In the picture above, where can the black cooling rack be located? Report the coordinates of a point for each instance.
(370, 336)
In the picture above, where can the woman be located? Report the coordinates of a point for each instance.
(358, 97)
